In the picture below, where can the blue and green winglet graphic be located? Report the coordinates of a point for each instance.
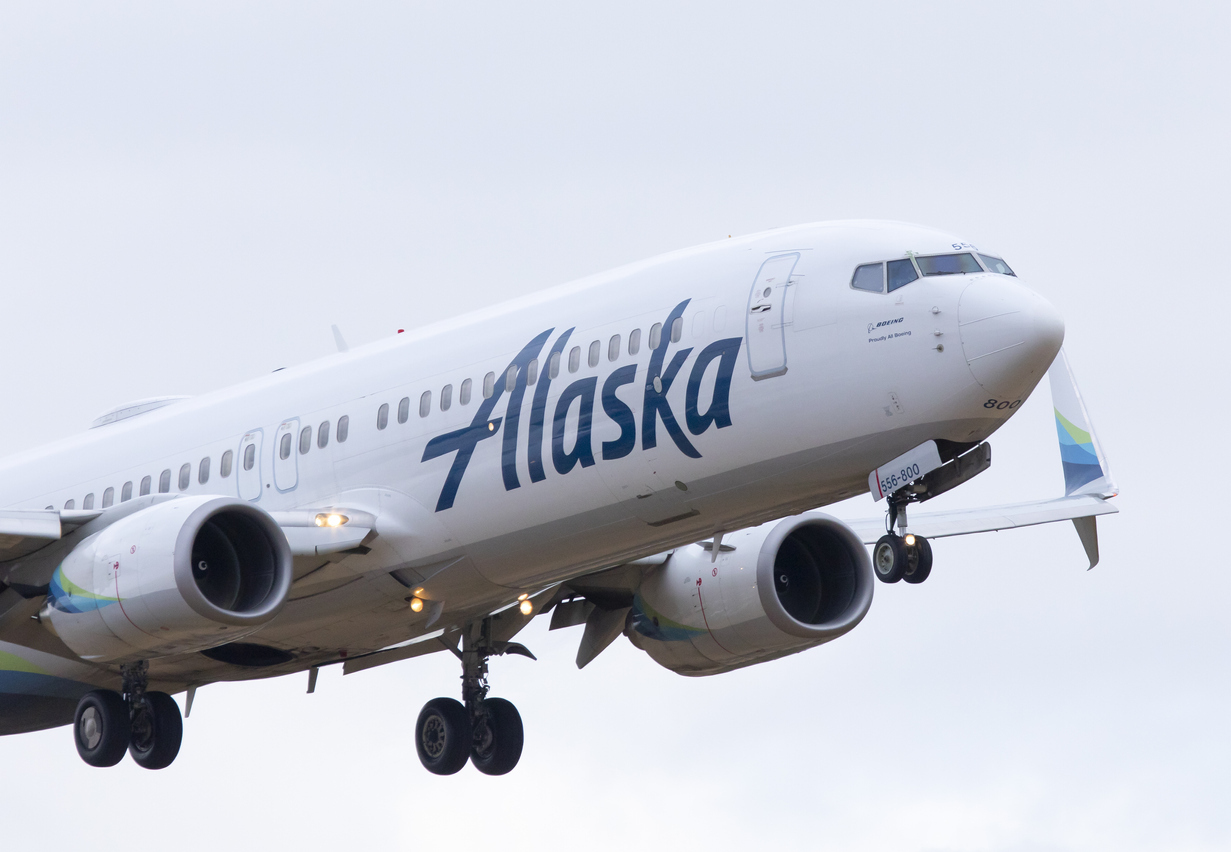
(1085, 466)
(1077, 455)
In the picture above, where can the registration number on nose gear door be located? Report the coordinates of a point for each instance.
(903, 470)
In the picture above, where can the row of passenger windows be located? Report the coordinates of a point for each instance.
(615, 345)
(184, 477)
(164, 482)
(890, 275)
(305, 440)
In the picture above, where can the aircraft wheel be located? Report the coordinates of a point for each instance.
(919, 561)
(443, 736)
(498, 739)
(157, 731)
(101, 727)
(889, 558)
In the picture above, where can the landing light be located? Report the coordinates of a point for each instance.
(910, 540)
(526, 607)
(331, 519)
(523, 596)
(416, 604)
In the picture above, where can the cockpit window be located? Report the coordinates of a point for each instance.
(901, 273)
(870, 277)
(995, 264)
(948, 264)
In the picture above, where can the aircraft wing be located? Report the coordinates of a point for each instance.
(23, 531)
(1082, 509)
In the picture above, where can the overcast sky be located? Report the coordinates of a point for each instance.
(191, 194)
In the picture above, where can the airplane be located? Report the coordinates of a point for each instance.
(642, 452)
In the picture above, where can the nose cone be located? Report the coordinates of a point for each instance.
(1010, 335)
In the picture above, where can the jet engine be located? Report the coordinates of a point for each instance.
(179, 576)
(773, 590)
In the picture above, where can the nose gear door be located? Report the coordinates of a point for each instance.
(765, 328)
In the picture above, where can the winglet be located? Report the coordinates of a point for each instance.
(1085, 466)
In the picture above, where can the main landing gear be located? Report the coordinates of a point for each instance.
(146, 724)
(901, 557)
(486, 731)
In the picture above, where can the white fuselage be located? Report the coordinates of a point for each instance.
(826, 382)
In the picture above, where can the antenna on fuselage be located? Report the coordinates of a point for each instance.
(338, 339)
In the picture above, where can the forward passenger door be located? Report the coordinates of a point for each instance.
(765, 318)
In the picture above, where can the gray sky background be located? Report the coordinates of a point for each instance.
(190, 194)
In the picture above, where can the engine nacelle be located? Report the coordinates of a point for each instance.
(785, 586)
(179, 576)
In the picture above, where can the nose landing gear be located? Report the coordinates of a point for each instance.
(486, 731)
(903, 556)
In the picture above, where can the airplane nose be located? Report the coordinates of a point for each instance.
(1010, 335)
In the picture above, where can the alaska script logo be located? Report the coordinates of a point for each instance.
(582, 393)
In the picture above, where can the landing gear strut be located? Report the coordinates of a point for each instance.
(486, 731)
(902, 555)
(147, 724)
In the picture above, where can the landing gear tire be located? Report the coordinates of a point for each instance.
(889, 558)
(101, 727)
(498, 737)
(157, 731)
(443, 736)
(918, 561)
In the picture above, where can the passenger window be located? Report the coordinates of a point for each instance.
(574, 359)
(489, 385)
(656, 335)
(425, 404)
(870, 277)
(532, 372)
(613, 347)
(948, 264)
(595, 348)
(164, 478)
(108, 497)
(88, 502)
(70, 505)
(322, 435)
(510, 378)
(698, 324)
(677, 329)
(720, 318)
(900, 273)
(634, 341)
(203, 470)
(463, 397)
(404, 409)
(224, 467)
(382, 416)
(186, 469)
(305, 440)
(146, 484)
(284, 452)
(446, 397)
(126, 493)
(995, 264)
(553, 365)
(249, 461)
(343, 428)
